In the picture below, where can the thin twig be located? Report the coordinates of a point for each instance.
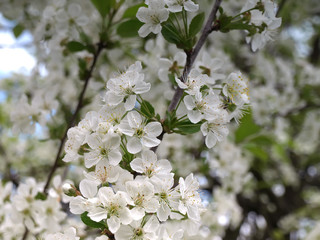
(280, 7)
(25, 235)
(73, 118)
(191, 57)
(70, 124)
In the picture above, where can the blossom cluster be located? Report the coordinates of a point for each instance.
(263, 16)
(126, 186)
(25, 207)
(156, 13)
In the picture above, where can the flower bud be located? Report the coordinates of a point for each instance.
(69, 190)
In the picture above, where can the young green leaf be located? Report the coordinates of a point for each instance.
(246, 128)
(103, 6)
(196, 24)
(74, 46)
(185, 127)
(129, 28)
(87, 221)
(131, 12)
(41, 196)
(147, 109)
(18, 30)
(171, 34)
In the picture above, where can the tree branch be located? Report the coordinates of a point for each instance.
(191, 56)
(54, 167)
(73, 118)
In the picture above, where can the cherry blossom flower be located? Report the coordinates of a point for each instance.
(177, 5)
(148, 165)
(152, 16)
(125, 87)
(201, 106)
(194, 82)
(142, 194)
(190, 202)
(138, 231)
(171, 66)
(113, 207)
(236, 89)
(105, 147)
(141, 134)
(68, 234)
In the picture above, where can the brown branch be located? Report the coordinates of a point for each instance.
(73, 118)
(191, 57)
(25, 235)
(280, 7)
(54, 167)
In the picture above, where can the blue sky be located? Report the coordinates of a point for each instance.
(14, 56)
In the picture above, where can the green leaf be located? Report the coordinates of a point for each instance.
(18, 30)
(196, 24)
(87, 221)
(224, 22)
(147, 109)
(103, 6)
(247, 128)
(74, 46)
(171, 34)
(129, 28)
(40, 196)
(186, 127)
(85, 38)
(131, 12)
(257, 151)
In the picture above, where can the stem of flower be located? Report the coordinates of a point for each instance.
(191, 56)
(73, 118)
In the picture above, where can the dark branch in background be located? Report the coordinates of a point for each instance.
(191, 57)
(25, 235)
(70, 123)
(54, 167)
(315, 53)
(74, 116)
(281, 4)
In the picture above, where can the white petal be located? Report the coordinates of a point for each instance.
(113, 224)
(130, 102)
(91, 159)
(189, 102)
(194, 116)
(114, 157)
(144, 30)
(211, 140)
(152, 225)
(163, 212)
(134, 119)
(137, 213)
(113, 99)
(150, 141)
(134, 145)
(153, 129)
(152, 205)
(137, 165)
(88, 188)
(191, 6)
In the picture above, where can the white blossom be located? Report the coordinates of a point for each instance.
(177, 5)
(104, 148)
(236, 88)
(152, 17)
(141, 134)
(125, 87)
